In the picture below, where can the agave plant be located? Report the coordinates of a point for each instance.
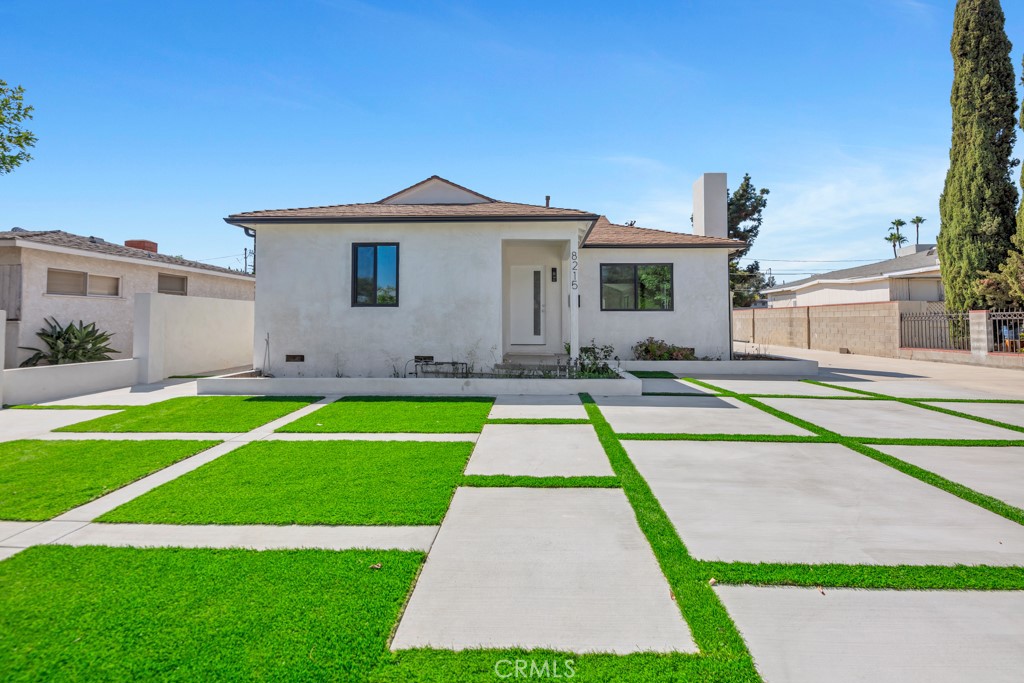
(69, 343)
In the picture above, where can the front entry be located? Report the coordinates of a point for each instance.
(526, 305)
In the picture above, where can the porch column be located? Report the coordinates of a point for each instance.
(574, 301)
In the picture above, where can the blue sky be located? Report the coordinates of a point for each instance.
(156, 120)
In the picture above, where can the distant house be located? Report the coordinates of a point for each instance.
(438, 271)
(912, 276)
(51, 273)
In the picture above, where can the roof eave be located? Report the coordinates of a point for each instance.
(247, 221)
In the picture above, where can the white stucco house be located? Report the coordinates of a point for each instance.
(914, 275)
(439, 271)
(52, 273)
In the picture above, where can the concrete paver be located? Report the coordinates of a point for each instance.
(41, 534)
(915, 388)
(565, 569)
(815, 503)
(799, 635)
(690, 414)
(539, 451)
(1010, 413)
(9, 529)
(34, 424)
(537, 408)
(663, 385)
(997, 472)
(887, 419)
(253, 537)
(762, 385)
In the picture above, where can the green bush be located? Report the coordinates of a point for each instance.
(659, 349)
(69, 343)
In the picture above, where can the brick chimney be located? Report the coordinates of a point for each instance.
(144, 245)
(710, 210)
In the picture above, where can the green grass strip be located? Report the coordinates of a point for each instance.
(38, 407)
(503, 480)
(652, 374)
(981, 443)
(709, 386)
(897, 577)
(969, 400)
(818, 398)
(675, 393)
(397, 414)
(712, 629)
(841, 388)
(774, 438)
(537, 421)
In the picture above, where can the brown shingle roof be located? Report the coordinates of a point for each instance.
(607, 234)
(376, 211)
(59, 238)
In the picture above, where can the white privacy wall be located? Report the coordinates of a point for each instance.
(450, 295)
(701, 315)
(186, 335)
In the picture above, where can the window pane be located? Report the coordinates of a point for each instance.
(365, 285)
(655, 285)
(103, 285)
(617, 288)
(387, 275)
(65, 282)
(172, 284)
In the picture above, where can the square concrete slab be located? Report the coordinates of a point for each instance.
(10, 529)
(1010, 413)
(537, 408)
(815, 503)
(799, 635)
(997, 472)
(916, 388)
(663, 385)
(563, 569)
(539, 451)
(31, 424)
(790, 387)
(887, 419)
(690, 415)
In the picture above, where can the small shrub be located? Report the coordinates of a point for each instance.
(592, 363)
(659, 349)
(72, 343)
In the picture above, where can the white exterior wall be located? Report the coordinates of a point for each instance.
(450, 295)
(829, 293)
(111, 314)
(701, 315)
(556, 316)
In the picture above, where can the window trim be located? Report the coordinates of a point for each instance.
(160, 291)
(355, 273)
(636, 288)
(85, 292)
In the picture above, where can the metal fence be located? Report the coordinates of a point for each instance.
(947, 331)
(1006, 330)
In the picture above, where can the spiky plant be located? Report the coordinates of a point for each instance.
(69, 343)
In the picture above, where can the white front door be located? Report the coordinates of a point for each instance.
(526, 305)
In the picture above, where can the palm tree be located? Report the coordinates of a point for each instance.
(895, 239)
(917, 221)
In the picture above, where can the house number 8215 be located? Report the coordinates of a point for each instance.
(575, 261)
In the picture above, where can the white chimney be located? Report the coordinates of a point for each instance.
(710, 214)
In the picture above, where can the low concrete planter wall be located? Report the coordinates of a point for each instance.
(388, 386)
(697, 368)
(53, 382)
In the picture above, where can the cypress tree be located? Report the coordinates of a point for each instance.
(979, 201)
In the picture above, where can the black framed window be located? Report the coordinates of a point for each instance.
(375, 274)
(636, 287)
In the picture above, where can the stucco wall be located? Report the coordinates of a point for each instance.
(835, 293)
(113, 314)
(548, 255)
(450, 296)
(700, 318)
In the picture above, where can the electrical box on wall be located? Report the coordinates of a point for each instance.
(294, 358)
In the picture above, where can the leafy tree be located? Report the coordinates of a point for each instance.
(746, 209)
(14, 140)
(895, 237)
(917, 221)
(979, 200)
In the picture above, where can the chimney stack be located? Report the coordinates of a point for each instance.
(710, 206)
(144, 245)
(547, 201)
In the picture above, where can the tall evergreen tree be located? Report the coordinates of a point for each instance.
(746, 209)
(979, 200)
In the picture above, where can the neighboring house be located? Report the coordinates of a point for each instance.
(51, 273)
(439, 271)
(911, 276)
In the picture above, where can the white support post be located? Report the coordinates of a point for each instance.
(3, 351)
(574, 301)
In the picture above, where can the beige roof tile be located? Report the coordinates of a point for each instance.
(608, 234)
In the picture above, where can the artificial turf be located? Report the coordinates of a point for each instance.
(32, 406)
(105, 614)
(653, 374)
(197, 414)
(310, 482)
(41, 479)
(397, 414)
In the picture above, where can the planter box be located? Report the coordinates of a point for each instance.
(415, 386)
(710, 368)
(54, 382)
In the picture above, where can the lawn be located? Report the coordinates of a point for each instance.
(653, 374)
(41, 479)
(310, 482)
(400, 414)
(212, 414)
(192, 615)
